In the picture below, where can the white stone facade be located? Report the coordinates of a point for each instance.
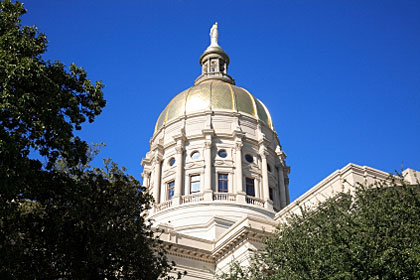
(218, 174)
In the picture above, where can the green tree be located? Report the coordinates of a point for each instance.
(371, 234)
(61, 218)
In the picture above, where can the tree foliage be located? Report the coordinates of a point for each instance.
(61, 218)
(371, 234)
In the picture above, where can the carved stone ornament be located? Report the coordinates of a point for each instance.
(207, 145)
(169, 173)
(238, 146)
(158, 157)
(223, 163)
(179, 149)
(194, 165)
(263, 153)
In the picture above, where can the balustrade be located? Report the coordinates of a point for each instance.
(254, 201)
(224, 196)
(220, 196)
(192, 198)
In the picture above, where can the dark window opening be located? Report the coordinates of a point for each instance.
(249, 158)
(250, 187)
(222, 185)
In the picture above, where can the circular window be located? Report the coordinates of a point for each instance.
(195, 155)
(268, 167)
(222, 153)
(249, 158)
(172, 161)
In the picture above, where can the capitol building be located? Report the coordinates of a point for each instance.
(218, 173)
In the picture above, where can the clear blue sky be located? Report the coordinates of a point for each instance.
(340, 78)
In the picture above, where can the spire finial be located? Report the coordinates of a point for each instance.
(214, 35)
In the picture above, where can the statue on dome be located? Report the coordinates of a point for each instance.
(214, 35)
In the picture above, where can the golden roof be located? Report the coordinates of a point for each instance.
(214, 90)
(214, 95)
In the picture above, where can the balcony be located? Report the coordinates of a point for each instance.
(215, 196)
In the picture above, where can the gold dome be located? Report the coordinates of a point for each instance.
(214, 95)
(214, 90)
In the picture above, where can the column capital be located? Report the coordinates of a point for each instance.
(146, 172)
(238, 146)
(157, 147)
(179, 149)
(158, 157)
(208, 144)
(180, 137)
(263, 153)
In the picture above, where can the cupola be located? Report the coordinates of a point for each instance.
(214, 61)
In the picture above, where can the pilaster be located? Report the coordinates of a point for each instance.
(179, 160)
(208, 192)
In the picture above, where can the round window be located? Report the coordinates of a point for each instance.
(222, 153)
(249, 158)
(195, 155)
(172, 161)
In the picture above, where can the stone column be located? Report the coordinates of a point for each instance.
(282, 188)
(207, 172)
(156, 181)
(266, 187)
(208, 133)
(239, 185)
(179, 170)
(146, 174)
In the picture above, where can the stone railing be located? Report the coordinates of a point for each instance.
(163, 205)
(196, 197)
(254, 201)
(217, 196)
(224, 196)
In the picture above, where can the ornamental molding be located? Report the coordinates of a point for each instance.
(227, 163)
(191, 165)
(146, 172)
(208, 145)
(238, 146)
(179, 149)
(169, 173)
